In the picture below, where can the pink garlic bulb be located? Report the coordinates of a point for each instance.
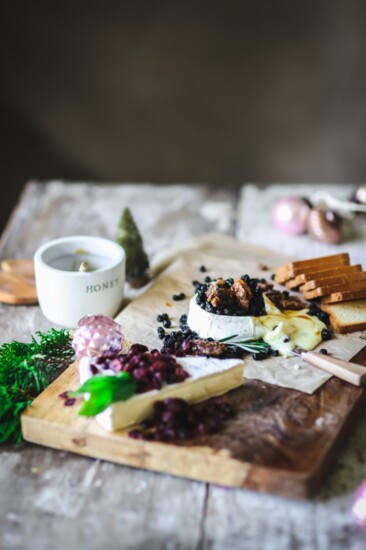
(97, 335)
(290, 215)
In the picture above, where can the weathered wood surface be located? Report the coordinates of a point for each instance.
(54, 499)
(281, 441)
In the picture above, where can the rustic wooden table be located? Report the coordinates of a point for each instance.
(55, 499)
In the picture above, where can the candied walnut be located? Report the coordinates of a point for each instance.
(242, 292)
(206, 347)
(265, 286)
(284, 301)
(219, 294)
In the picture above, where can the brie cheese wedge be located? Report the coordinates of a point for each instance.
(209, 377)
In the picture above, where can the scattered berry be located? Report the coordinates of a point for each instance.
(178, 297)
(70, 401)
(259, 356)
(326, 335)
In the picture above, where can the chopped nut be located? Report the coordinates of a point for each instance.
(219, 294)
(243, 293)
(284, 301)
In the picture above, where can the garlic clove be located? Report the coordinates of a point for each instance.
(324, 227)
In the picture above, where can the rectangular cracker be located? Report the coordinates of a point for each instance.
(344, 296)
(304, 277)
(347, 317)
(291, 269)
(326, 290)
(351, 276)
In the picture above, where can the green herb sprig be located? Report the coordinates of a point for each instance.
(26, 369)
(103, 391)
(251, 345)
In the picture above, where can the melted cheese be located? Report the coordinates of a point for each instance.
(283, 331)
(289, 329)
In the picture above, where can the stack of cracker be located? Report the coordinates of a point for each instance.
(340, 287)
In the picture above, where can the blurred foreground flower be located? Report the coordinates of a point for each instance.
(359, 506)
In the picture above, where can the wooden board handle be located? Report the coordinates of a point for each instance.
(350, 372)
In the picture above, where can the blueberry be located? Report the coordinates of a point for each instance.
(208, 279)
(203, 269)
(326, 335)
(323, 351)
(167, 323)
(178, 297)
(323, 316)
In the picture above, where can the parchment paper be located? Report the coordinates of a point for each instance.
(235, 258)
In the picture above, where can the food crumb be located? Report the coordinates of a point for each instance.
(319, 422)
(297, 366)
(262, 267)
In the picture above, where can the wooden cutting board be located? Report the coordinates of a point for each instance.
(282, 441)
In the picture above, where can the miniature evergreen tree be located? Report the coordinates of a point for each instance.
(137, 262)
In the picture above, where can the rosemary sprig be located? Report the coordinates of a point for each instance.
(250, 345)
(26, 369)
(103, 391)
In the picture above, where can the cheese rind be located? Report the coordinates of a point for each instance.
(211, 325)
(209, 377)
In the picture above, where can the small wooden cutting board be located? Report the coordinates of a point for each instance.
(281, 441)
(17, 284)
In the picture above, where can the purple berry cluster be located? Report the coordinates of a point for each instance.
(174, 418)
(151, 370)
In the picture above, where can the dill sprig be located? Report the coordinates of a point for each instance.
(26, 369)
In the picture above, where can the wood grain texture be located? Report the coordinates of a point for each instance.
(281, 440)
(56, 498)
(15, 289)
